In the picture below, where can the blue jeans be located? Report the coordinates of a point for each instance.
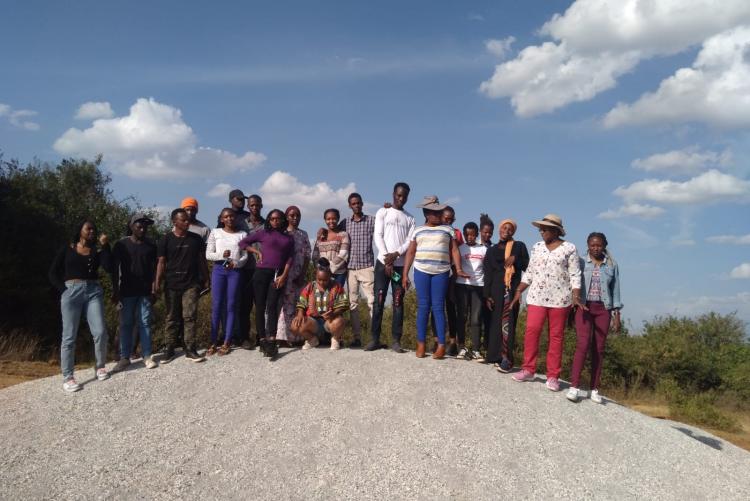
(82, 298)
(431, 290)
(225, 290)
(340, 279)
(135, 309)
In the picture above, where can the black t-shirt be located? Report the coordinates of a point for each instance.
(135, 264)
(183, 255)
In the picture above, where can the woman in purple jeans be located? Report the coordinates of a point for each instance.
(600, 287)
(223, 249)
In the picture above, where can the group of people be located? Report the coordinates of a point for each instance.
(461, 278)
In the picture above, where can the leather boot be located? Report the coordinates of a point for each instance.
(439, 353)
(420, 350)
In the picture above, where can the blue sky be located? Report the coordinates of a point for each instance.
(621, 116)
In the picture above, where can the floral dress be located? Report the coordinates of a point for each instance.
(294, 284)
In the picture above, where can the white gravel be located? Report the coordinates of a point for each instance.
(344, 425)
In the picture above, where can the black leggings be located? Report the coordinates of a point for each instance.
(267, 302)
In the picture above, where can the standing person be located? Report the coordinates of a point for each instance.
(297, 275)
(469, 291)
(553, 278)
(254, 222)
(190, 205)
(182, 266)
(273, 262)
(333, 244)
(223, 249)
(432, 247)
(237, 204)
(486, 230)
(320, 309)
(503, 266)
(133, 274)
(75, 273)
(449, 217)
(601, 288)
(361, 267)
(393, 225)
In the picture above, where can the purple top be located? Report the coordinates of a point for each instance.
(277, 248)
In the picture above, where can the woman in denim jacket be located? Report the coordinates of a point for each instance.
(601, 288)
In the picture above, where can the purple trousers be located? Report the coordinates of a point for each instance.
(225, 284)
(592, 328)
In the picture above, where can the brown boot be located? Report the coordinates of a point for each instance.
(439, 353)
(420, 350)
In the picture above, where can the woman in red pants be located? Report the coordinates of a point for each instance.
(553, 279)
(601, 288)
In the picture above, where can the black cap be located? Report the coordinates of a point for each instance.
(236, 193)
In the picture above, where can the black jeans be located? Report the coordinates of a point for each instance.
(381, 292)
(469, 303)
(267, 302)
(245, 306)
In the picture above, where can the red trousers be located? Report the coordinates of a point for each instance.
(592, 328)
(535, 318)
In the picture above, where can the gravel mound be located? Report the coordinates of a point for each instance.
(344, 425)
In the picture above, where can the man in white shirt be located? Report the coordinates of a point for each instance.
(393, 226)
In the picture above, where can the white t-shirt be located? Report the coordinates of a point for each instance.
(392, 230)
(220, 241)
(472, 262)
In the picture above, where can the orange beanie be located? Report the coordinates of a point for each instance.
(189, 202)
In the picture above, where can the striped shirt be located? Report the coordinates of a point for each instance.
(360, 241)
(433, 248)
(315, 302)
(335, 249)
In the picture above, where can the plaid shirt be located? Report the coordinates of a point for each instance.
(360, 241)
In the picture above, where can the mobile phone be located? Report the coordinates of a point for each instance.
(204, 292)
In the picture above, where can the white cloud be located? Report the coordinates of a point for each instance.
(282, 189)
(153, 142)
(740, 272)
(499, 48)
(642, 211)
(709, 187)
(220, 190)
(93, 110)
(597, 41)
(686, 161)
(739, 303)
(730, 239)
(18, 118)
(714, 90)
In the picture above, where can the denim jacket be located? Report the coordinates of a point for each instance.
(609, 275)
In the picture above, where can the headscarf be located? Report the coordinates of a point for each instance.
(189, 202)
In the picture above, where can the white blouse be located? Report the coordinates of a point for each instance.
(552, 275)
(220, 241)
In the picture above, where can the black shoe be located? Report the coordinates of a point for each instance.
(262, 347)
(396, 346)
(193, 356)
(452, 350)
(373, 345)
(247, 345)
(356, 344)
(168, 356)
(272, 349)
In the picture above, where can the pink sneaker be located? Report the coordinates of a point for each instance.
(522, 376)
(553, 384)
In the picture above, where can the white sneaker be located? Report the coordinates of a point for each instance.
(102, 374)
(312, 344)
(121, 364)
(71, 385)
(595, 397)
(335, 345)
(462, 353)
(477, 357)
(150, 363)
(572, 394)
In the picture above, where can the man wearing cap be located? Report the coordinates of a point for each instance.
(393, 225)
(133, 274)
(237, 204)
(190, 205)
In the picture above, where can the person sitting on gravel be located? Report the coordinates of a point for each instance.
(320, 309)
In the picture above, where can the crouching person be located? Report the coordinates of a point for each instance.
(320, 309)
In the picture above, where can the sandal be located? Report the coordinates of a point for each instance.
(225, 349)
(211, 350)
